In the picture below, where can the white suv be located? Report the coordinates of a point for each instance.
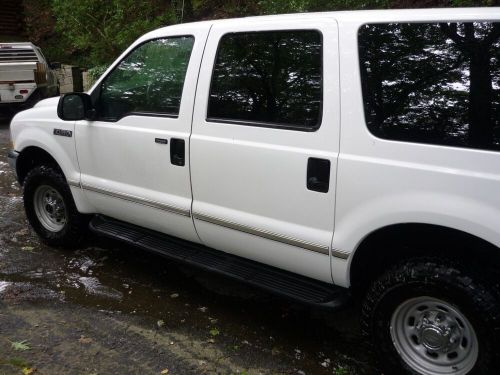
(320, 156)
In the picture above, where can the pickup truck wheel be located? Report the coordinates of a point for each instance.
(50, 208)
(429, 316)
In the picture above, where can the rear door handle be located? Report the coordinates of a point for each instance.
(318, 175)
(177, 152)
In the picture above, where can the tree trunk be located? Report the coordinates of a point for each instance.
(480, 97)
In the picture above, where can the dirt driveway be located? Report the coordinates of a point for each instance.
(109, 309)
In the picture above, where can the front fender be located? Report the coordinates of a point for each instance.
(35, 128)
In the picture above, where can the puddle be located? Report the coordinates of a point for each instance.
(4, 285)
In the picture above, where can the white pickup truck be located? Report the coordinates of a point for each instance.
(326, 157)
(25, 76)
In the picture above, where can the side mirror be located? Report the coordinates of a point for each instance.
(75, 106)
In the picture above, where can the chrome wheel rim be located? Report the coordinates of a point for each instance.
(433, 337)
(49, 208)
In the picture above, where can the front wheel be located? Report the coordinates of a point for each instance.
(50, 208)
(431, 317)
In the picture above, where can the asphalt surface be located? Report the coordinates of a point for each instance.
(110, 309)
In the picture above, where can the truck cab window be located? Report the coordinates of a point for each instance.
(149, 80)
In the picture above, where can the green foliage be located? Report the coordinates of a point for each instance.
(214, 332)
(91, 33)
(292, 6)
(40, 26)
(283, 6)
(341, 370)
(215, 9)
(95, 72)
(15, 362)
(101, 29)
(20, 345)
(471, 3)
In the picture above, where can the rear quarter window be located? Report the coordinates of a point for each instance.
(436, 83)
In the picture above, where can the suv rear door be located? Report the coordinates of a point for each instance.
(265, 141)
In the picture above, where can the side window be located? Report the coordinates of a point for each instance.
(436, 83)
(269, 79)
(148, 81)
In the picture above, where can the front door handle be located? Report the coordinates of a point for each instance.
(177, 152)
(318, 175)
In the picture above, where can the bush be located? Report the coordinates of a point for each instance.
(101, 30)
(95, 72)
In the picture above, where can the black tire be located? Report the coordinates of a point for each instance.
(440, 279)
(76, 224)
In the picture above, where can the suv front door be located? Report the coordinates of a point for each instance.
(134, 158)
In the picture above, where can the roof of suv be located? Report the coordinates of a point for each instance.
(386, 15)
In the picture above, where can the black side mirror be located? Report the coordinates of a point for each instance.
(75, 106)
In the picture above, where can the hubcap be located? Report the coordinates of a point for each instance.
(438, 332)
(433, 337)
(49, 208)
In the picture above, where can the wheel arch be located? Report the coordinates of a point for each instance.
(388, 245)
(31, 157)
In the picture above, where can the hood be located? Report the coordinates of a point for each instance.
(50, 102)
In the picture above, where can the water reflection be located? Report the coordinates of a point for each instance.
(149, 79)
(271, 77)
(433, 82)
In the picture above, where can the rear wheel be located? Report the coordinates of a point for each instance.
(50, 208)
(431, 317)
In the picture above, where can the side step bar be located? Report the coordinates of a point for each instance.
(286, 284)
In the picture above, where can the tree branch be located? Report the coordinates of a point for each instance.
(492, 36)
(450, 30)
(401, 97)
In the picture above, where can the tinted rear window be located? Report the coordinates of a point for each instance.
(268, 79)
(436, 83)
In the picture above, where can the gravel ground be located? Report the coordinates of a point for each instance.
(110, 309)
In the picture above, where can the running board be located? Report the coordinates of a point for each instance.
(284, 283)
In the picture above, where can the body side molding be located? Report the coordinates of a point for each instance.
(264, 233)
(73, 183)
(340, 254)
(139, 200)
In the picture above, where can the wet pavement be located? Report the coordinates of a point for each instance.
(110, 309)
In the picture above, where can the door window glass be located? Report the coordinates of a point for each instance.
(148, 81)
(268, 79)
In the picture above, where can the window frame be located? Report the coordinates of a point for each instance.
(96, 93)
(265, 124)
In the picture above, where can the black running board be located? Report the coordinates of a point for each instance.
(284, 283)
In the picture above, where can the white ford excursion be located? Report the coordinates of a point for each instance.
(320, 156)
